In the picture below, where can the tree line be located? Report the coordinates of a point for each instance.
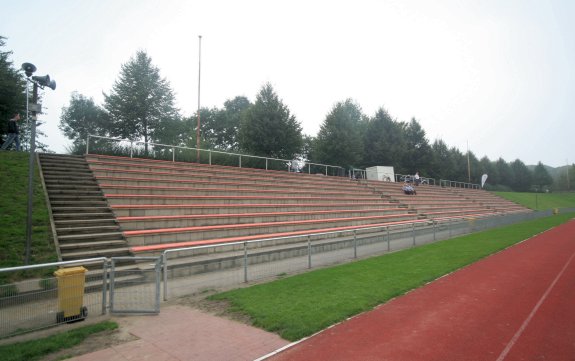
(141, 106)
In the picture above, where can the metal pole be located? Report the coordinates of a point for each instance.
(308, 251)
(246, 262)
(388, 240)
(413, 232)
(104, 285)
(354, 244)
(87, 138)
(199, 77)
(31, 174)
(165, 266)
(173, 154)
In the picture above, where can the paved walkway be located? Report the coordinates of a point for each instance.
(181, 333)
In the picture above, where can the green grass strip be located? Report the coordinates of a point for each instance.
(37, 349)
(301, 305)
(541, 201)
(13, 219)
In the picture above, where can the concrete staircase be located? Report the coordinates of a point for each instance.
(84, 224)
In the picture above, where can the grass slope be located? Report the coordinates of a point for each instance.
(299, 306)
(540, 201)
(13, 216)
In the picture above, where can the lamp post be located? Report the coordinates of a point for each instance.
(38, 82)
(199, 76)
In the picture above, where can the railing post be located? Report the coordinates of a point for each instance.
(210, 157)
(388, 240)
(326, 170)
(413, 232)
(266, 164)
(449, 226)
(354, 243)
(246, 262)
(434, 231)
(131, 149)
(165, 274)
(240, 161)
(308, 168)
(173, 154)
(308, 251)
(88, 144)
(104, 286)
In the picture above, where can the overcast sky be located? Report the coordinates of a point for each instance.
(495, 74)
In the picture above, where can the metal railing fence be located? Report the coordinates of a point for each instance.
(139, 149)
(455, 184)
(410, 178)
(34, 304)
(243, 262)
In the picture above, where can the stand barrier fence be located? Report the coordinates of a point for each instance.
(40, 303)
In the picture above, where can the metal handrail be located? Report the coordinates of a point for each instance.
(209, 151)
(456, 184)
(401, 177)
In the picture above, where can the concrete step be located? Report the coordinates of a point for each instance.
(94, 245)
(135, 223)
(124, 210)
(80, 203)
(169, 235)
(66, 212)
(108, 252)
(218, 178)
(64, 191)
(76, 238)
(80, 230)
(86, 221)
(115, 199)
(175, 191)
(226, 183)
(73, 187)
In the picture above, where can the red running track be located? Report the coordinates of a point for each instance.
(518, 304)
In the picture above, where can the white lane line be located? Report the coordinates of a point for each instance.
(528, 319)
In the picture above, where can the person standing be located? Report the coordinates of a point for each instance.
(417, 179)
(13, 133)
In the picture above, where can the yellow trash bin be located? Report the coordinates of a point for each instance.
(71, 294)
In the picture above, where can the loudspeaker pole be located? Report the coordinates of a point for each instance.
(31, 170)
(199, 77)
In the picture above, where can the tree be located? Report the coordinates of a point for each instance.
(140, 101)
(268, 129)
(521, 176)
(487, 167)
(82, 117)
(541, 177)
(339, 141)
(417, 152)
(385, 142)
(12, 90)
(220, 126)
(504, 172)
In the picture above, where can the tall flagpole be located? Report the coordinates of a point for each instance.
(199, 77)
